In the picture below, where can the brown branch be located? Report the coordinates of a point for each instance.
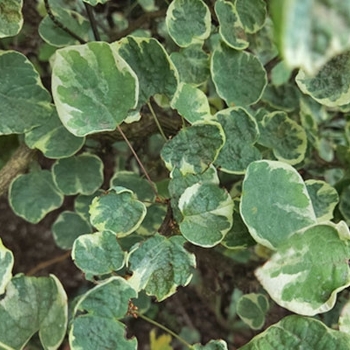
(17, 164)
(48, 263)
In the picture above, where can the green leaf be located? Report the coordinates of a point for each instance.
(160, 265)
(97, 254)
(188, 22)
(297, 332)
(25, 103)
(238, 76)
(154, 69)
(252, 14)
(93, 88)
(207, 214)
(33, 305)
(252, 309)
(82, 204)
(6, 265)
(192, 63)
(95, 2)
(134, 182)
(286, 137)
(40, 193)
(148, 5)
(118, 211)
(212, 345)
(68, 227)
(324, 199)
(78, 174)
(97, 313)
(275, 202)
(180, 182)
(331, 85)
(309, 269)
(72, 20)
(194, 148)
(310, 33)
(53, 139)
(241, 132)
(230, 25)
(11, 19)
(191, 103)
(344, 318)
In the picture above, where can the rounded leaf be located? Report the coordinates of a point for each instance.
(68, 227)
(287, 139)
(40, 193)
(252, 14)
(118, 211)
(306, 273)
(160, 265)
(275, 202)
(79, 174)
(188, 21)
(97, 254)
(93, 88)
(25, 103)
(194, 148)
(238, 76)
(241, 132)
(207, 214)
(11, 19)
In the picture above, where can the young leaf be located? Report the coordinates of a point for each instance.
(194, 148)
(331, 85)
(286, 138)
(118, 211)
(160, 265)
(252, 308)
(252, 14)
(98, 312)
(11, 19)
(97, 254)
(207, 214)
(25, 103)
(275, 202)
(324, 198)
(299, 332)
(311, 33)
(188, 21)
(68, 227)
(33, 305)
(307, 271)
(191, 103)
(192, 63)
(241, 132)
(239, 77)
(40, 192)
(93, 88)
(53, 139)
(72, 20)
(79, 174)
(231, 28)
(155, 71)
(6, 265)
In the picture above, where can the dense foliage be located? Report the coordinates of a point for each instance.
(179, 129)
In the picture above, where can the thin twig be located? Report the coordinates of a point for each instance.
(48, 263)
(61, 25)
(138, 161)
(92, 20)
(156, 120)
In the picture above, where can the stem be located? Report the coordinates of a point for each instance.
(47, 263)
(92, 21)
(156, 120)
(176, 336)
(139, 161)
(61, 25)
